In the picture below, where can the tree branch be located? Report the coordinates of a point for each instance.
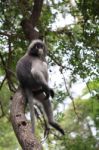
(20, 125)
(29, 24)
(36, 12)
(8, 74)
(67, 90)
(29, 30)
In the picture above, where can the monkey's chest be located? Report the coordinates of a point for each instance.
(31, 73)
(39, 70)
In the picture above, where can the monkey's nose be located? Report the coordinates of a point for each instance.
(40, 51)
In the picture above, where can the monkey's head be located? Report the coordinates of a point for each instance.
(37, 48)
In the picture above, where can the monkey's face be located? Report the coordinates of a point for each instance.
(37, 49)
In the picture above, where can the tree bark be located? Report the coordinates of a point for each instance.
(29, 31)
(20, 124)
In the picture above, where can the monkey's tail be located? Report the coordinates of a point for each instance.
(57, 127)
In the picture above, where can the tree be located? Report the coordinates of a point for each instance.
(73, 47)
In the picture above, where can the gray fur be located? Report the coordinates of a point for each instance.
(32, 74)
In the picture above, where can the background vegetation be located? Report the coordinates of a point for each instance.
(73, 50)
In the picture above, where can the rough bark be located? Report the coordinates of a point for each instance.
(21, 126)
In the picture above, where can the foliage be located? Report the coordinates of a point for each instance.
(8, 140)
(79, 131)
(74, 47)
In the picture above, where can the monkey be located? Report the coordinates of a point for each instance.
(32, 73)
(35, 65)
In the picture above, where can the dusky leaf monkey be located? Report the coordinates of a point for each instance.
(32, 74)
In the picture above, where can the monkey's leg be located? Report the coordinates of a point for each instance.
(49, 112)
(31, 105)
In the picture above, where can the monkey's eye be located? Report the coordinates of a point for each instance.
(39, 46)
(36, 47)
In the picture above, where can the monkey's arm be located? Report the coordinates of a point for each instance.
(40, 80)
(39, 91)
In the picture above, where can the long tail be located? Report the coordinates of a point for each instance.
(57, 127)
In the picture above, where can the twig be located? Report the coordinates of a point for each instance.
(55, 60)
(5, 34)
(2, 82)
(68, 92)
(8, 75)
(91, 93)
(9, 54)
(2, 110)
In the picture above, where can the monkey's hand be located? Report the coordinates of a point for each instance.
(49, 93)
(52, 92)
